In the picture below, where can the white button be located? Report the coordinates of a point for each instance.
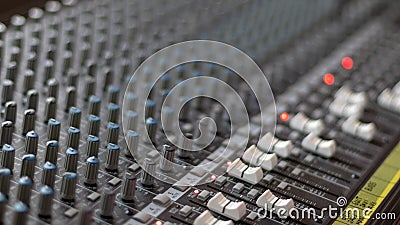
(266, 200)
(319, 146)
(207, 218)
(238, 169)
(283, 148)
(283, 206)
(354, 127)
(280, 147)
(346, 95)
(235, 210)
(388, 100)
(396, 89)
(265, 142)
(343, 109)
(220, 204)
(252, 155)
(255, 157)
(302, 123)
(269, 201)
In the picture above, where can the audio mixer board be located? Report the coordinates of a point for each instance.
(200, 112)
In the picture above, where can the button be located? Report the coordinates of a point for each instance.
(134, 167)
(238, 187)
(20, 212)
(282, 185)
(51, 151)
(71, 212)
(255, 157)
(221, 180)
(358, 129)
(242, 171)
(198, 171)
(207, 218)
(203, 195)
(266, 200)
(71, 160)
(162, 200)
(92, 146)
(296, 171)
(268, 178)
(314, 144)
(302, 123)
(142, 217)
(252, 193)
(346, 95)
(252, 216)
(185, 211)
(114, 182)
(343, 109)
(220, 204)
(93, 197)
(388, 100)
(283, 206)
(283, 148)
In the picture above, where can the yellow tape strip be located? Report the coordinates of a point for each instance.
(375, 190)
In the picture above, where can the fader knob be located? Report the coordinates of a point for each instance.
(148, 172)
(128, 188)
(92, 170)
(20, 213)
(107, 203)
(68, 186)
(46, 194)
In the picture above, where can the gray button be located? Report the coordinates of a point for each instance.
(252, 216)
(252, 193)
(221, 180)
(185, 211)
(238, 187)
(268, 178)
(94, 196)
(282, 164)
(162, 200)
(296, 171)
(134, 167)
(142, 217)
(71, 212)
(282, 185)
(203, 195)
(114, 182)
(198, 171)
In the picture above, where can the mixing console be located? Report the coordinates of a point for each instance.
(154, 112)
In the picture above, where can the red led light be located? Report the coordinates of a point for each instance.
(329, 79)
(213, 177)
(347, 63)
(284, 116)
(196, 192)
(228, 163)
(158, 222)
